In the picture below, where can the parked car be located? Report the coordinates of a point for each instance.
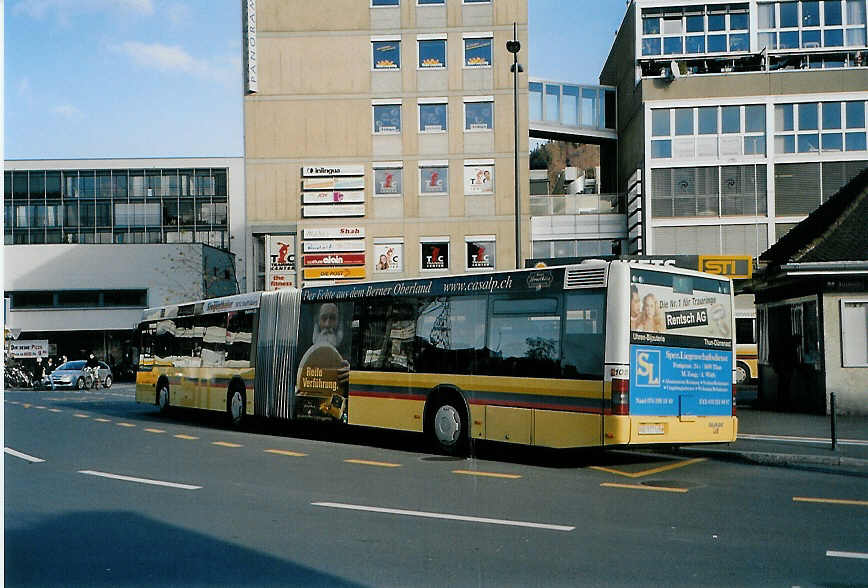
(73, 375)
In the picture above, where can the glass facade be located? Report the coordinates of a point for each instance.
(117, 206)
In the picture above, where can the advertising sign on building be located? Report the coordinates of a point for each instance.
(333, 210)
(480, 254)
(388, 181)
(280, 263)
(435, 255)
(478, 179)
(28, 349)
(344, 232)
(333, 273)
(321, 259)
(333, 197)
(319, 171)
(336, 245)
(346, 183)
(388, 257)
(249, 19)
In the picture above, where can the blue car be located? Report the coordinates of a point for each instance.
(72, 375)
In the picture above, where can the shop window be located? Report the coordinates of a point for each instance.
(854, 333)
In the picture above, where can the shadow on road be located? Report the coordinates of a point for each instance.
(112, 548)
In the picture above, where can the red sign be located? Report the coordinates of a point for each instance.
(334, 259)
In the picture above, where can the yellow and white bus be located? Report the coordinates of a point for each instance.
(594, 354)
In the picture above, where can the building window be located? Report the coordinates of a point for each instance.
(477, 50)
(480, 253)
(389, 255)
(695, 29)
(388, 179)
(387, 118)
(424, 2)
(854, 333)
(433, 177)
(479, 114)
(385, 3)
(810, 127)
(432, 53)
(33, 300)
(387, 54)
(479, 177)
(682, 124)
(810, 24)
(434, 252)
(432, 117)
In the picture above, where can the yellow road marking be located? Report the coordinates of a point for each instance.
(285, 452)
(666, 468)
(25, 405)
(185, 437)
(641, 487)
(81, 416)
(155, 430)
(831, 501)
(102, 420)
(487, 474)
(382, 464)
(126, 425)
(226, 444)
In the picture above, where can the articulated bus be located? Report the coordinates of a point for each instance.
(595, 354)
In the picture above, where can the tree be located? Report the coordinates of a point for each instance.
(540, 157)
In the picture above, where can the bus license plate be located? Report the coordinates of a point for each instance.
(651, 429)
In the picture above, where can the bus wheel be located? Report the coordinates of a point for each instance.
(448, 428)
(742, 374)
(235, 407)
(163, 398)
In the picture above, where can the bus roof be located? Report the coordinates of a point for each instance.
(223, 304)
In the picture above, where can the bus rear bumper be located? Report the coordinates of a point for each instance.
(647, 430)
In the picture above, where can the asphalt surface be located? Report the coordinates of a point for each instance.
(128, 497)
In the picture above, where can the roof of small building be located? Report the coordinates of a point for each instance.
(836, 231)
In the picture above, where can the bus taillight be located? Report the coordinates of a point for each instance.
(733, 400)
(620, 396)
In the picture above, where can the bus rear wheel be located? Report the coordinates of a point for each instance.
(448, 428)
(742, 373)
(235, 408)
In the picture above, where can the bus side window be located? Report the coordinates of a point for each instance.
(584, 334)
(450, 335)
(212, 350)
(524, 338)
(239, 336)
(744, 330)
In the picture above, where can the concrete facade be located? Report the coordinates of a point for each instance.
(317, 87)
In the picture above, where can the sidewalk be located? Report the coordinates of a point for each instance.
(793, 439)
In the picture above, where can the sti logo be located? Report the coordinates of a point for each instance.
(738, 266)
(647, 368)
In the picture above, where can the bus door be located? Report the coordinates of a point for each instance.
(276, 350)
(584, 344)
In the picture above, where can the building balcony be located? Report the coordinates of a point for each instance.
(554, 205)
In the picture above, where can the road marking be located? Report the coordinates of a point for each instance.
(25, 405)
(487, 474)
(102, 420)
(437, 515)
(641, 487)
(382, 464)
(78, 415)
(831, 501)
(139, 480)
(285, 452)
(226, 444)
(848, 554)
(185, 437)
(24, 456)
(812, 440)
(41, 407)
(54, 410)
(155, 430)
(657, 470)
(126, 425)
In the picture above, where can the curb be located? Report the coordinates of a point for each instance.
(783, 459)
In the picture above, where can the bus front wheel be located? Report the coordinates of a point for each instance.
(163, 398)
(448, 428)
(235, 407)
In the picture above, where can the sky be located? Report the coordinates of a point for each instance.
(162, 78)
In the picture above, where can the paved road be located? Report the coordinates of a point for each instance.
(126, 497)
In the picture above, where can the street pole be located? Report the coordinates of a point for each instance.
(513, 47)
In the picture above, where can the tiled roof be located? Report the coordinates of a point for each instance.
(836, 231)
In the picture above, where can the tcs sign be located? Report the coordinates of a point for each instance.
(733, 266)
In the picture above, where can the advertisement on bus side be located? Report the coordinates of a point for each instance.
(680, 345)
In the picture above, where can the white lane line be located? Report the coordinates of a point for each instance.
(811, 440)
(437, 515)
(29, 458)
(847, 554)
(140, 480)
